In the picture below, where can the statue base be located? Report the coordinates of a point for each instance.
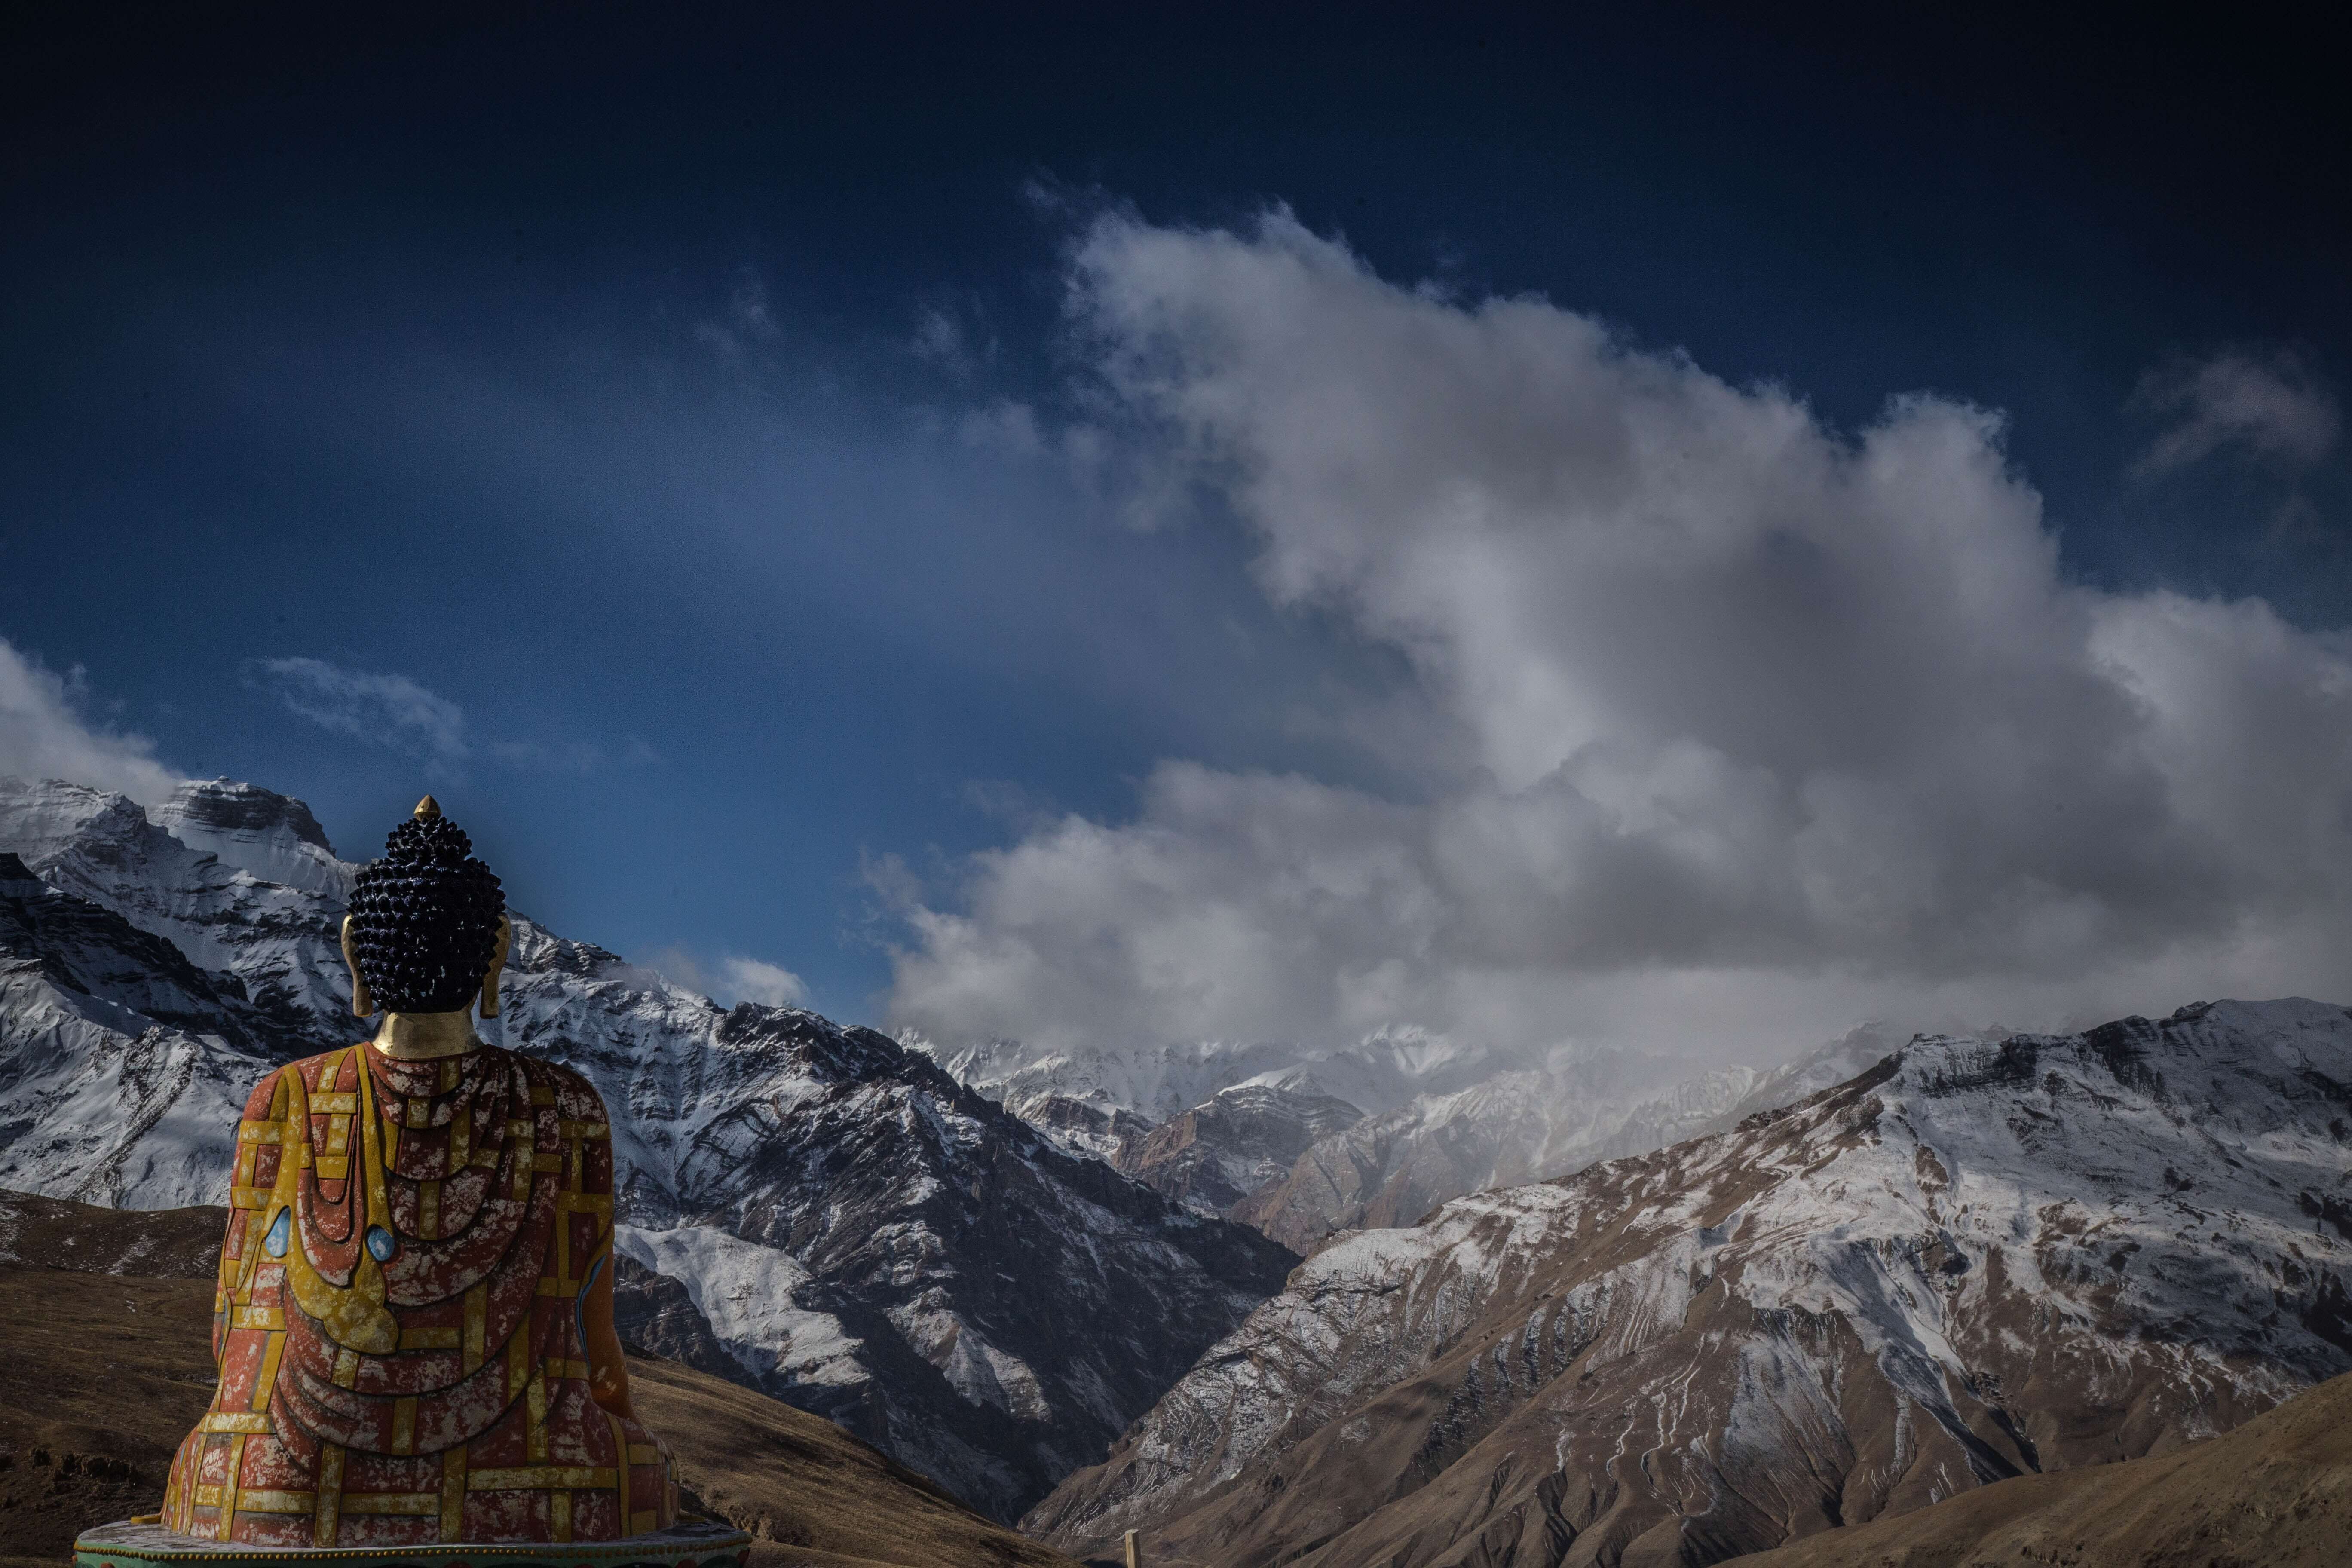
(689, 1544)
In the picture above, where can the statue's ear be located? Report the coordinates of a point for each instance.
(361, 1002)
(498, 965)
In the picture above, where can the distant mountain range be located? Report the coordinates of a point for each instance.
(1978, 1258)
(1306, 1145)
(813, 1210)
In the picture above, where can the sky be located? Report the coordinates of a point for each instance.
(1670, 530)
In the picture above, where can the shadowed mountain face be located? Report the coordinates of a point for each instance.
(873, 1242)
(1975, 1260)
(858, 1234)
(110, 1362)
(95, 954)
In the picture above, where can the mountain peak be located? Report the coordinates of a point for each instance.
(226, 806)
(269, 836)
(42, 818)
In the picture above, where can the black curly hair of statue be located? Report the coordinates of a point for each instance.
(424, 919)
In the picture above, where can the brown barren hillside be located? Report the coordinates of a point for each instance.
(104, 1376)
(105, 1372)
(801, 1482)
(2276, 1493)
(155, 1244)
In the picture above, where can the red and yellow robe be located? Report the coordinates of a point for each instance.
(398, 1327)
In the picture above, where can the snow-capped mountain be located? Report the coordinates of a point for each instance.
(1394, 1125)
(1515, 1127)
(1238, 1140)
(1303, 1166)
(241, 881)
(856, 1232)
(1976, 1258)
(1091, 1126)
(1158, 1082)
(1306, 1145)
(108, 1092)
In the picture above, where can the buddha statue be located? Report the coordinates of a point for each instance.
(414, 1317)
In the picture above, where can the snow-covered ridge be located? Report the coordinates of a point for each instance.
(252, 900)
(748, 1295)
(1978, 1258)
(1161, 1081)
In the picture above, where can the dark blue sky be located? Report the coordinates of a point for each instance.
(604, 372)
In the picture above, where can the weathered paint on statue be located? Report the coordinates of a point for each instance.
(414, 1317)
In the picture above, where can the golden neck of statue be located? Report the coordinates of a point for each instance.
(425, 1037)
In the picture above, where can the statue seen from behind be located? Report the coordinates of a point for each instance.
(413, 1316)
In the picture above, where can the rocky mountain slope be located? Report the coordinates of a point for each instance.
(2276, 1492)
(1977, 1260)
(83, 1443)
(859, 1234)
(1850, 1054)
(1090, 1125)
(100, 1099)
(1236, 1141)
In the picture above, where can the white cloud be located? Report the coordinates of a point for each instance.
(2266, 405)
(1746, 724)
(402, 714)
(384, 710)
(45, 734)
(733, 978)
(756, 980)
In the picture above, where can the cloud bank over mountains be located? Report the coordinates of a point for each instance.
(45, 732)
(1712, 728)
(1716, 718)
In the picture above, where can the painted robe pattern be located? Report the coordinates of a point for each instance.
(397, 1320)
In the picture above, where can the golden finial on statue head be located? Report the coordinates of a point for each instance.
(427, 808)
